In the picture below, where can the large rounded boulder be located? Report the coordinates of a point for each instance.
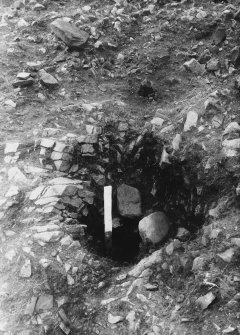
(154, 228)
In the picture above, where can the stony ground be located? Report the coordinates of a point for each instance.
(73, 121)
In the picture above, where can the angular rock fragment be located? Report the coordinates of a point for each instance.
(47, 79)
(219, 35)
(154, 227)
(194, 66)
(69, 34)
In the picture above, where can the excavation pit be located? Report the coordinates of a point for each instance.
(167, 181)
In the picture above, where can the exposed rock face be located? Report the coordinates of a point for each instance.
(69, 33)
(129, 201)
(154, 227)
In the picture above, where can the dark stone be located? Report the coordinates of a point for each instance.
(235, 56)
(129, 201)
(146, 90)
(23, 83)
(69, 34)
(219, 35)
(204, 57)
(237, 16)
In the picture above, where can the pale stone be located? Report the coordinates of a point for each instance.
(11, 254)
(231, 128)
(232, 144)
(45, 201)
(45, 302)
(70, 280)
(13, 191)
(45, 262)
(29, 310)
(9, 102)
(51, 236)
(60, 147)
(35, 65)
(206, 300)
(54, 191)
(66, 241)
(194, 66)
(47, 143)
(157, 121)
(199, 263)
(113, 319)
(235, 241)
(154, 258)
(16, 175)
(22, 23)
(227, 255)
(64, 181)
(36, 192)
(91, 129)
(11, 148)
(191, 121)
(176, 142)
(23, 75)
(47, 227)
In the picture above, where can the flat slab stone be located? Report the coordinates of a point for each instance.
(129, 201)
(47, 143)
(69, 33)
(64, 181)
(23, 83)
(23, 75)
(46, 201)
(49, 236)
(54, 191)
(44, 228)
(36, 192)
